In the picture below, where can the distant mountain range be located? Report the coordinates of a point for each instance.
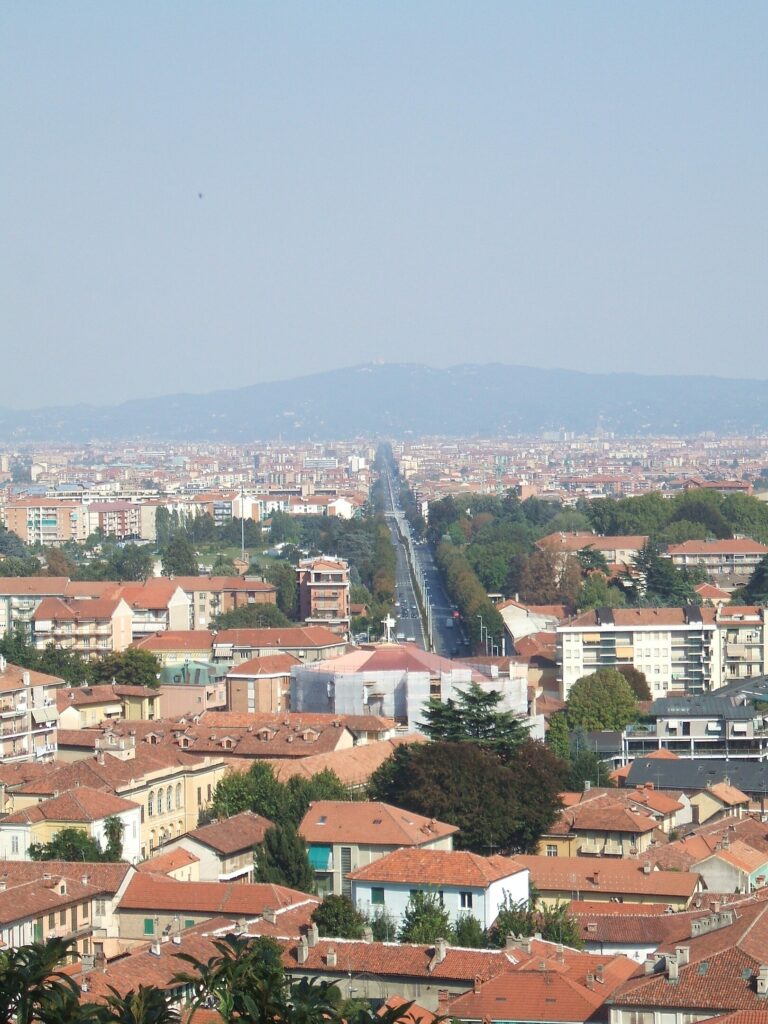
(408, 400)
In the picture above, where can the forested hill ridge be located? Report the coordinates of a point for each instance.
(398, 400)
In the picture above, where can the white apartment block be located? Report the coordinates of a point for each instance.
(692, 649)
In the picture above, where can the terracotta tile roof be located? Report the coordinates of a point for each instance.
(728, 794)
(268, 665)
(78, 805)
(415, 1013)
(723, 981)
(33, 585)
(231, 835)
(105, 693)
(155, 892)
(369, 823)
(290, 638)
(219, 584)
(12, 678)
(353, 766)
(168, 861)
(176, 640)
(446, 867)
(388, 959)
(633, 617)
(107, 877)
(153, 594)
(586, 875)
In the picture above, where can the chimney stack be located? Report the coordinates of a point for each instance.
(762, 980)
(302, 950)
(368, 935)
(269, 915)
(312, 935)
(683, 954)
(672, 968)
(330, 957)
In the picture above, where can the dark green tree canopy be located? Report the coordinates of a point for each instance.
(498, 807)
(253, 616)
(338, 918)
(475, 717)
(71, 844)
(282, 859)
(131, 667)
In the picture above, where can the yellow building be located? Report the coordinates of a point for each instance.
(170, 786)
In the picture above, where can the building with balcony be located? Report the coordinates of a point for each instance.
(28, 714)
(91, 627)
(736, 559)
(324, 593)
(702, 726)
(47, 520)
(211, 596)
(676, 648)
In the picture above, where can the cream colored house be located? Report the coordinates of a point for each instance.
(82, 808)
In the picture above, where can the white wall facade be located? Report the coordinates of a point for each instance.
(459, 901)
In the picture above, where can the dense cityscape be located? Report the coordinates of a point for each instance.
(500, 705)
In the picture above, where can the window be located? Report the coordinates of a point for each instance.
(14, 844)
(465, 900)
(169, 798)
(377, 897)
(551, 849)
(62, 918)
(151, 804)
(159, 801)
(99, 907)
(51, 920)
(149, 926)
(178, 795)
(189, 922)
(199, 796)
(86, 911)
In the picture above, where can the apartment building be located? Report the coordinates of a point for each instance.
(28, 714)
(719, 558)
(691, 648)
(676, 648)
(47, 520)
(617, 551)
(210, 596)
(91, 627)
(119, 519)
(324, 593)
(21, 595)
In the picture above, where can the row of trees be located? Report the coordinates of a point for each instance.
(426, 920)
(132, 667)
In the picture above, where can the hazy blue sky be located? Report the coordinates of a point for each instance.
(573, 184)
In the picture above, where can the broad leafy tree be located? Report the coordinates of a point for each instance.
(498, 807)
(179, 557)
(637, 680)
(425, 919)
(338, 918)
(71, 844)
(602, 700)
(131, 667)
(253, 616)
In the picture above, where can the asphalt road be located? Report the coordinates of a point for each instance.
(447, 640)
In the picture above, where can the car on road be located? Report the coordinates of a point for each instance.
(410, 639)
(400, 636)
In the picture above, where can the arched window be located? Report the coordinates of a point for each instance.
(169, 798)
(151, 804)
(178, 796)
(159, 801)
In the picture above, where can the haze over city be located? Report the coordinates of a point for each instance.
(200, 195)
